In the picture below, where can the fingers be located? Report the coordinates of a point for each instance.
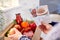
(47, 25)
(42, 27)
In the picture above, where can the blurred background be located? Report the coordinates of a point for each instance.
(53, 5)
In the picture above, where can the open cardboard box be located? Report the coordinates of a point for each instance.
(36, 35)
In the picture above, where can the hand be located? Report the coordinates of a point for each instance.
(16, 35)
(45, 27)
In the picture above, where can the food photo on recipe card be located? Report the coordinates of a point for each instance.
(42, 15)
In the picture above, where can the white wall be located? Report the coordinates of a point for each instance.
(26, 4)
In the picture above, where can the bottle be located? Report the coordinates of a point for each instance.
(18, 19)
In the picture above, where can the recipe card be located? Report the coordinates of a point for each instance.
(42, 15)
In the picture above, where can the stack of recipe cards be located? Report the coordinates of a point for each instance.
(42, 15)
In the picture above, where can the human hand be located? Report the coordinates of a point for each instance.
(45, 27)
(16, 35)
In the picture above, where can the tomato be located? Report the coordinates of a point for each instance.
(25, 24)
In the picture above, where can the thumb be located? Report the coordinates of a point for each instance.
(47, 25)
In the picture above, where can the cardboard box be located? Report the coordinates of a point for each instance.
(36, 35)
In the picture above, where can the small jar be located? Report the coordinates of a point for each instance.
(18, 19)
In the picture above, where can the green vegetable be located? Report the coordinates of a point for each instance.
(14, 21)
